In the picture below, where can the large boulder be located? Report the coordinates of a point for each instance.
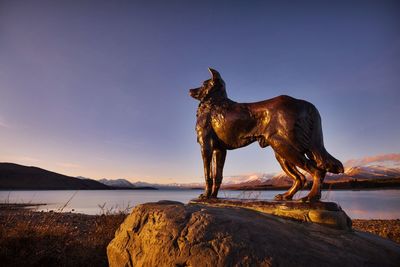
(173, 234)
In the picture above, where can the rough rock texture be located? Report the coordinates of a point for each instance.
(324, 213)
(173, 234)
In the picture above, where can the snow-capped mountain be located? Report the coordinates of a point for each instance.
(123, 183)
(168, 186)
(120, 183)
(358, 172)
(372, 171)
(248, 178)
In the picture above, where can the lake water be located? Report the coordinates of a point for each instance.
(370, 204)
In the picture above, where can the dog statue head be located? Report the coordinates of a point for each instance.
(211, 88)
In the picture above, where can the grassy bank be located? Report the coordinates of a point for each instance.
(30, 238)
(55, 239)
(389, 229)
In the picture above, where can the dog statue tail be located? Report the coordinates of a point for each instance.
(324, 160)
(327, 162)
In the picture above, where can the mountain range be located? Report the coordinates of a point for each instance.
(255, 180)
(359, 173)
(19, 177)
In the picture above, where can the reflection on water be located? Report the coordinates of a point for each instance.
(382, 204)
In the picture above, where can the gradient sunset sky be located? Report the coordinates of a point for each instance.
(100, 89)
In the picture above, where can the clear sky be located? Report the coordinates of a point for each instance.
(100, 89)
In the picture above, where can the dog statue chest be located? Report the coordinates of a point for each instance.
(231, 124)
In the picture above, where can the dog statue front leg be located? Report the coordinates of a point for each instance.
(219, 156)
(206, 153)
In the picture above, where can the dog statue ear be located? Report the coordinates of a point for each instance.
(215, 74)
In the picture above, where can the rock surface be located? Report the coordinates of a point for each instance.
(173, 234)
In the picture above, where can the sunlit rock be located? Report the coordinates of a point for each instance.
(173, 234)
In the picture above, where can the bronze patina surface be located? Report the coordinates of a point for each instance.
(292, 127)
(324, 213)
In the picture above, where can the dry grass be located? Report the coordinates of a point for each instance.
(389, 229)
(55, 239)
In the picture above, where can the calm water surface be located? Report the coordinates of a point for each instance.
(371, 204)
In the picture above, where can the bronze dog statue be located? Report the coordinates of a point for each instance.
(292, 127)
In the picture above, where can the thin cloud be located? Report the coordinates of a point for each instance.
(3, 124)
(28, 160)
(69, 165)
(394, 157)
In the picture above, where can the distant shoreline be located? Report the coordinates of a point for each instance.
(323, 190)
(75, 189)
(231, 189)
(19, 206)
(354, 184)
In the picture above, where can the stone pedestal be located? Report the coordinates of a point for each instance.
(324, 213)
(169, 233)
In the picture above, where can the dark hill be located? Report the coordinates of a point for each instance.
(19, 177)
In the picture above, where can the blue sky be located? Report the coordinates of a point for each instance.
(100, 89)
